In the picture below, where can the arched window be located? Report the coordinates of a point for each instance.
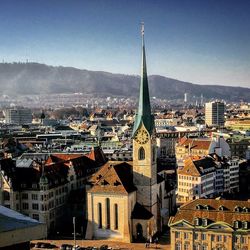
(108, 213)
(116, 216)
(141, 153)
(99, 215)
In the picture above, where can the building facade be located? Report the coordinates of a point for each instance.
(211, 224)
(18, 116)
(214, 114)
(207, 177)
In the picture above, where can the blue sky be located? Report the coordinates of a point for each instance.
(205, 42)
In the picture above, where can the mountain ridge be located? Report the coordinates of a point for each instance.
(35, 78)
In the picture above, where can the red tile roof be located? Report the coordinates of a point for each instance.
(202, 144)
(117, 178)
(197, 209)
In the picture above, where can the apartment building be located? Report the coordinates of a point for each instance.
(201, 147)
(206, 224)
(207, 177)
(214, 114)
(41, 191)
(18, 116)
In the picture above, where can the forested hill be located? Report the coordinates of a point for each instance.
(34, 78)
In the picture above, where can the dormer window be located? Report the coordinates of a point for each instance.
(245, 224)
(237, 209)
(206, 207)
(198, 207)
(204, 222)
(196, 221)
(236, 224)
(221, 208)
(245, 209)
(117, 183)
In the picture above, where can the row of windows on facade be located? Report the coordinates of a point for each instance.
(191, 178)
(204, 222)
(25, 196)
(107, 214)
(218, 238)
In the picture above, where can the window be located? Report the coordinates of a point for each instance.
(6, 195)
(35, 216)
(177, 246)
(203, 247)
(196, 236)
(196, 221)
(186, 247)
(35, 206)
(116, 216)
(196, 247)
(243, 240)
(25, 196)
(203, 236)
(177, 235)
(236, 224)
(204, 222)
(25, 206)
(219, 237)
(34, 197)
(185, 236)
(245, 225)
(141, 154)
(108, 213)
(100, 215)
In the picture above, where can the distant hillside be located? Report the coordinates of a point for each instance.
(34, 78)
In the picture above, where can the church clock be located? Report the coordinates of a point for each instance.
(141, 136)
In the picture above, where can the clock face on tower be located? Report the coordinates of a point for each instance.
(141, 136)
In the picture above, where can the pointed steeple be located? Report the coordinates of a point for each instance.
(143, 115)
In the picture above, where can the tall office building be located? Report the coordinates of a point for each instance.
(214, 114)
(18, 116)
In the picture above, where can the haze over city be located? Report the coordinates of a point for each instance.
(205, 42)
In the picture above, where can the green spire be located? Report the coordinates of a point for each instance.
(143, 115)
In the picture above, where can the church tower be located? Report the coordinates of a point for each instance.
(144, 144)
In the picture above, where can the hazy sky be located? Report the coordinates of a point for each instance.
(203, 41)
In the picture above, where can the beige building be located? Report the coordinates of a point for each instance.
(126, 201)
(206, 224)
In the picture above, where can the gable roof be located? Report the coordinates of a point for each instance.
(196, 143)
(195, 166)
(117, 178)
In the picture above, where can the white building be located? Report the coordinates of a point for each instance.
(214, 114)
(207, 177)
(18, 116)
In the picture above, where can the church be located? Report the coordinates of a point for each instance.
(126, 201)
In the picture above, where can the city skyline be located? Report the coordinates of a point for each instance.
(182, 38)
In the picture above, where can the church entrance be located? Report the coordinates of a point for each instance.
(139, 232)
